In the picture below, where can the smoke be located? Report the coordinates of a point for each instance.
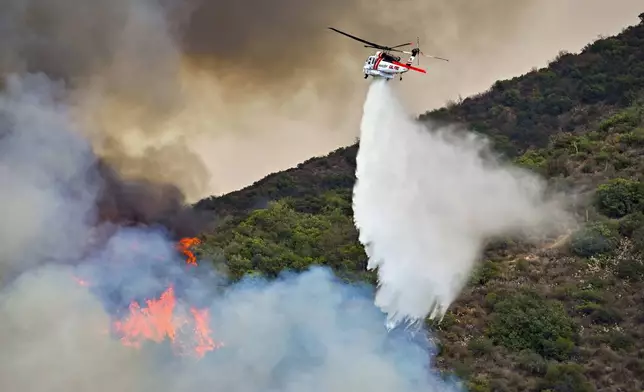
(65, 297)
(122, 69)
(53, 328)
(56, 191)
(425, 202)
(202, 94)
(279, 341)
(126, 201)
(47, 198)
(274, 340)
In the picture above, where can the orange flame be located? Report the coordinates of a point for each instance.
(184, 246)
(153, 322)
(158, 319)
(205, 342)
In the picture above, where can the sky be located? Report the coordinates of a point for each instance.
(292, 133)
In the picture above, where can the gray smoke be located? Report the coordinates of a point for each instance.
(47, 198)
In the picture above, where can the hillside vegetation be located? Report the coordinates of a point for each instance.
(564, 317)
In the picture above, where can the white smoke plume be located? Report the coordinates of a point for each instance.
(306, 332)
(45, 196)
(425, 202)
(54, 337)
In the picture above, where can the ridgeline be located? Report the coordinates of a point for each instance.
(563, 317)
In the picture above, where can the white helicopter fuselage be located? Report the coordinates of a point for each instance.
(377, 67)
(386, 66)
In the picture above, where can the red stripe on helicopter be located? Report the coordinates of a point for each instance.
(375, 65)
(409, 67)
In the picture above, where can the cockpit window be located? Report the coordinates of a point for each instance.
(388, 57)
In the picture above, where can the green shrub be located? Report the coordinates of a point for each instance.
(638, 240)
(631, 270)
(478, 384)
(589, 295)
(630, 223)
(533, 160)
(634, 138)
(594, 239)
(621, 341)
(558, 166)
(480, 346)
(490, 300)
(526, 321)
(532, 362)
(624, 120)
(486, 272)
(279, 238)
(565, 377)
(600, 314)
(619, 197)
(446, 323)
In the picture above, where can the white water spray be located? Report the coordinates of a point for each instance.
(426, 200)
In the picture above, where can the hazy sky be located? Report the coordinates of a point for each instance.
(279, 140)
(212, 96)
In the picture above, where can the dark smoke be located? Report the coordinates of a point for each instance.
(71, 40)
(142, 202)
(277, 39)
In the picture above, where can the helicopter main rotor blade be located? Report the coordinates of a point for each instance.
(422, 54)
(434, 57)
(388, 48)
(397, 46)
(359, 39)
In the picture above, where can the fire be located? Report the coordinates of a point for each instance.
(184, 246)
(204, 340)
(160, 319)
(153, 322)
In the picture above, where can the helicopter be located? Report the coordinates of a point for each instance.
(385, 65)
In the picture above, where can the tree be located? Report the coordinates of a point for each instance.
(594, 239)
(566, 377)
(630, 223)
(526, 321)
(619, 197)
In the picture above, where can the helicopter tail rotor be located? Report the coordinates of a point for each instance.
(416, 52)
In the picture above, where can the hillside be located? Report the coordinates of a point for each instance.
(564, 317)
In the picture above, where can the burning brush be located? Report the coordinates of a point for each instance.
(162, 318)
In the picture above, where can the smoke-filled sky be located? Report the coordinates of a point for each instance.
(212, 95)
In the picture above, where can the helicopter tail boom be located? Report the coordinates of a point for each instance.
(414, 53)
(409, 66)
